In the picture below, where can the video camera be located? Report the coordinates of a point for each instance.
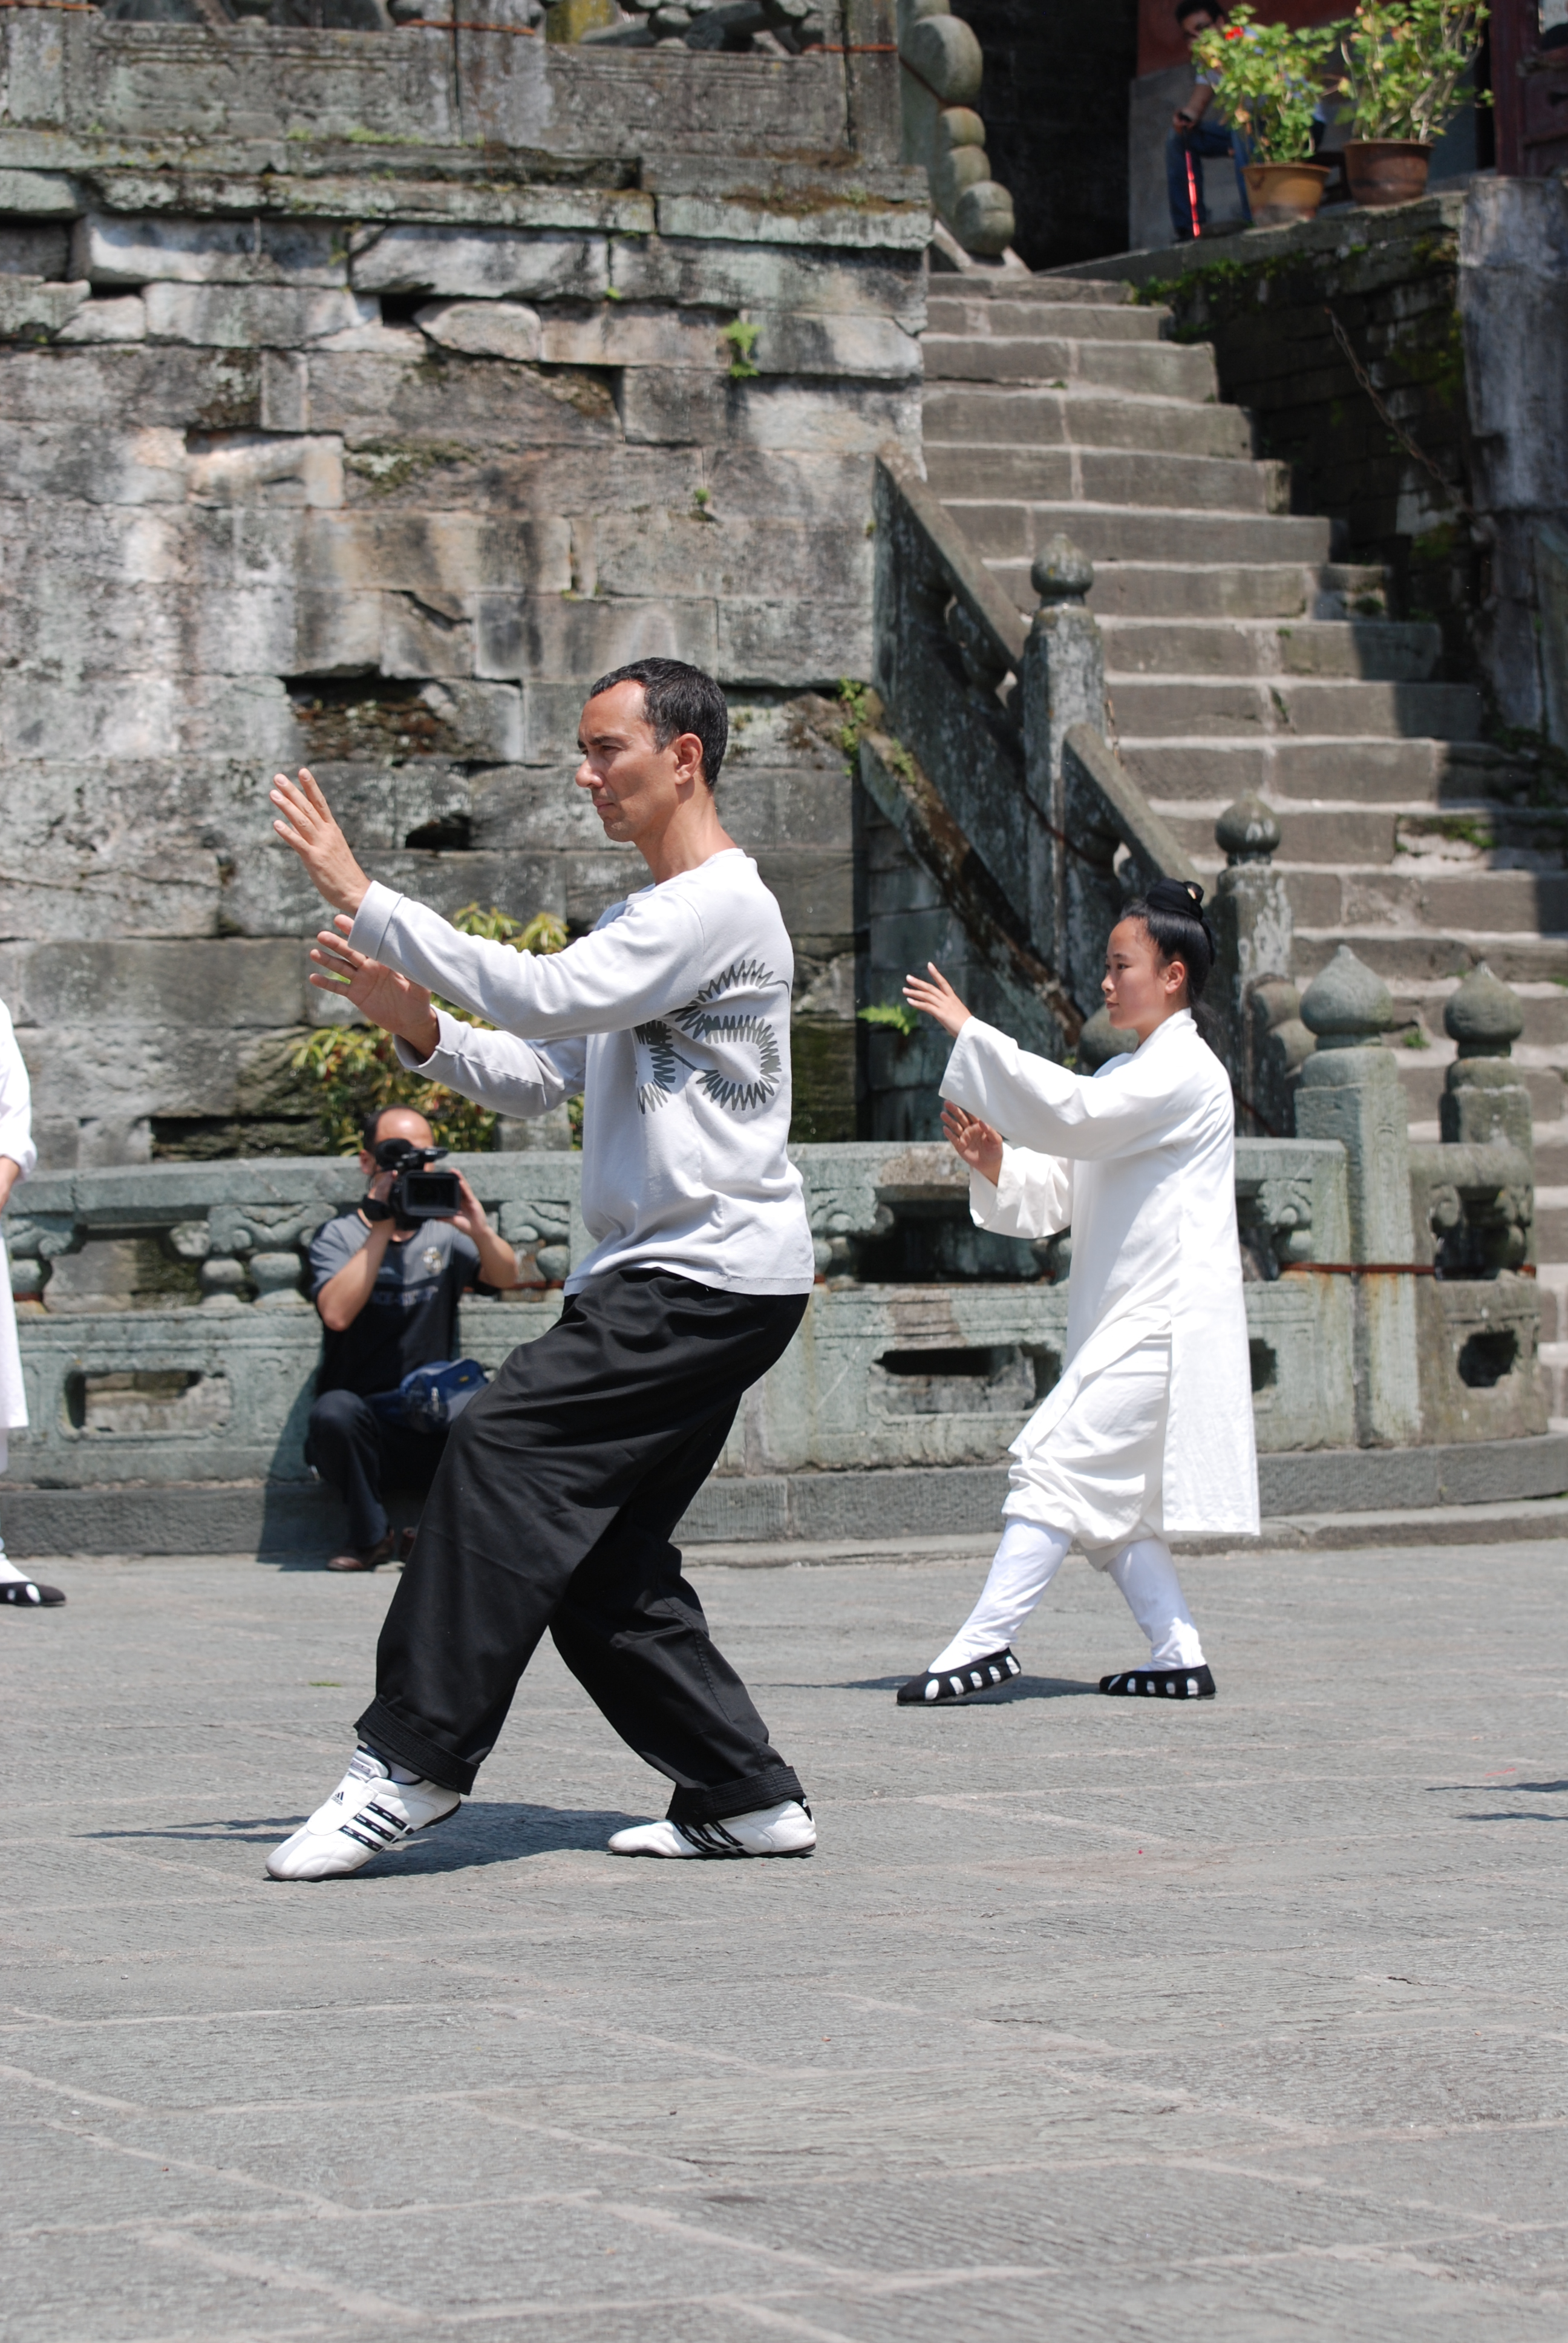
(418, 1192)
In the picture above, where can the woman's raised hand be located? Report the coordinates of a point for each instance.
(937, 998)
(309, 827)
(976, 1141)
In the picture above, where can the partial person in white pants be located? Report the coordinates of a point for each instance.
(1149, 1430)
(17, 1158)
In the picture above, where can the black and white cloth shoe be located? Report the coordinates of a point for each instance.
(1172, 1683)
(960, 1684)
(28, 1595)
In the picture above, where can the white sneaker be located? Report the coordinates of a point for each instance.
(784, 1829)
(367, 1813)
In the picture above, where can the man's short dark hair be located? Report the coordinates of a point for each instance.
(370, 1129)
(677, 699)
(1185, 8)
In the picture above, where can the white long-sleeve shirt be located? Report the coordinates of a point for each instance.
(672, 1018)
(1139, 1160)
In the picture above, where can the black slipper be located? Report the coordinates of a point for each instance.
(960, 1684)
(1175, 1683)
(27, 1591)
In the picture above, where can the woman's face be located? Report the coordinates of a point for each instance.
(1140, 993)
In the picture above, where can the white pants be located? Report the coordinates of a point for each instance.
(1026, 1561)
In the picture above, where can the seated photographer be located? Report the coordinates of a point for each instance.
(387, 1291)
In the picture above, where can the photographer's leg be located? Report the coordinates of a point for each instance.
(344, 1444)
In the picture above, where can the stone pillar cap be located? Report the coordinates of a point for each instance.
(1059, 572)
(1346, 1005)
(1485, 1016)
(1246, 832)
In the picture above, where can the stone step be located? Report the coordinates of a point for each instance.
(972, 484)
(1403, 954)
(1218, 589)
(1067, 361)
(1369, 650)
(1331, 834)
(1445, 903)
(1168, 707)
(998, 341)
(1118, 475)
(1347, 831)
(1048, 417)
(1032, 292)
(1401, 772)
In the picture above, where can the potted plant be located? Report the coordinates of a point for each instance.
(1271, 83)
(1403, 63)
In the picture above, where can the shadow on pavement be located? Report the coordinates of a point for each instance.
(501, 1831)
(998, 1697)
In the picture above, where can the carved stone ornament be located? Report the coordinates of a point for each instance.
(1246, 832)
(1346, 1005)
(1485, 1016)
(1059, 572)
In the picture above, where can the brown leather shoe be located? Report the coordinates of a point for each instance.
(369, 1557)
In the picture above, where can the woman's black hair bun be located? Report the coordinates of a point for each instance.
(1183, 896)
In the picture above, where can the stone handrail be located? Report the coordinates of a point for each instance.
(1104, 814)
(941, 68)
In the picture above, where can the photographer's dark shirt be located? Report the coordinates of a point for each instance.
(411, 1318)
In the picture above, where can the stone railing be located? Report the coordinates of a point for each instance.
(942, 69)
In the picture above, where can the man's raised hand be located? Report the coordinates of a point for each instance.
(309, 827)
(389, 1000)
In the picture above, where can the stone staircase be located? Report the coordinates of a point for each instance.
(1240, 656)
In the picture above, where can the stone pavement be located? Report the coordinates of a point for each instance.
(1091, 2018)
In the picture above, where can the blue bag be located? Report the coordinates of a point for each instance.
(430, 1398)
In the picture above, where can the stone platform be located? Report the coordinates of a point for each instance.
(1088, 2018)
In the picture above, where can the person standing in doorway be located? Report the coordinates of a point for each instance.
(1196, 134)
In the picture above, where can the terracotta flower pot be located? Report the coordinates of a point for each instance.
(1280, 193)
(1384, 171)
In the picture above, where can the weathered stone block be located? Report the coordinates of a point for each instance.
(437, 554)
(265, 469)
(41, 195)
(250, 317)
(481, 403)
(495, 329)
(748, 276)
(176, 387)
(111, 249)
(534, 635)
(94, 466)
(246, 986)
(616, 335)
(700, 552)
(484, 264)
(871, 207)
(33, 308)
(801, 642)
(797, 342)
(419, 640)
(123, 320)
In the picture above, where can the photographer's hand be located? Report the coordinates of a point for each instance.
(389, 1000)
(497, 1262)
(310, 830)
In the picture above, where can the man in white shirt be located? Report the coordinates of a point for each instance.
(562, 1483)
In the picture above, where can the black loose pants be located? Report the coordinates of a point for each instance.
(553, 1507)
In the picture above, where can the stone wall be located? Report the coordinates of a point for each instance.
(333, 435)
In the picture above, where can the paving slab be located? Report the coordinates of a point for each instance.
(1091, 2018)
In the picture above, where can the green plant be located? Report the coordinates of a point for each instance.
(896, 1013)
(1403, 63)
(741, 337)
(1272, 80)
(355, 1068)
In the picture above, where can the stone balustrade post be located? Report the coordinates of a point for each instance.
(1264, 1041)
(1483, 1097)
(1350, 1089)
(1063, 683)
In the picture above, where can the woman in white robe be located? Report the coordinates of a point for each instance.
(1149, 1430)
(17, 1158)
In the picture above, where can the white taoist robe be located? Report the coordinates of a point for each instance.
(1140, 1161)
(16, 1142)
(672, 1018)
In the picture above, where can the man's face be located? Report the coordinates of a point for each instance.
(1199, 22)
(635, 786)
(398, 1123)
